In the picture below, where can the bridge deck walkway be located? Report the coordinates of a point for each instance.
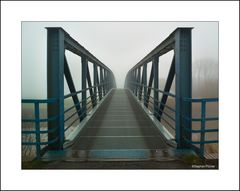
(119, 123)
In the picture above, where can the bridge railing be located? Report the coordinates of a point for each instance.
(93, 88)
(34, 133)
(72, 115)
(57, 67)
(168, 117)
(199, 145)
(146, 89)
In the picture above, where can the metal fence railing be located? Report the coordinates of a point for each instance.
(32, 130)
(35, 134)
(167, 116)
(200, 148)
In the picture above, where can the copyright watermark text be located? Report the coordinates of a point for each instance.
(203, 166)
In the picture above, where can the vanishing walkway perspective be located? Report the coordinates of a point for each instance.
(104, 123)
(119, 124)
(119, 130)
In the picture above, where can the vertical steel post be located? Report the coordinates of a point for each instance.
(99, 87)
(106, 81)
(203, 123)
(132, 81)
(145, 84)
(183, 70)
(95, 82)
(156, 86)
(37, 126)
(114, 81)
(101, 82)
(150, 84)
(84, 86)
(135, 82)
(55, 85)
(90, 88)
(138, 81)
(107, 78)
(110, 80)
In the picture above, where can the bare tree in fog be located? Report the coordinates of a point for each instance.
(205, 78)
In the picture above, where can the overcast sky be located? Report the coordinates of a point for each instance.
(119, 45)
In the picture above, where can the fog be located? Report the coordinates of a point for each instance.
(119, 45)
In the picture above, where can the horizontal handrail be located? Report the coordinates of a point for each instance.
(80, 91)
(154, 89)
(199, 119)
(200, 99)
(39, 120)
(51, 100)
(201, 131)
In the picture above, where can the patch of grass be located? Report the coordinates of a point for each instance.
(191, 159)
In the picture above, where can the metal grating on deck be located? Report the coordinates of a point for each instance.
(120, 123)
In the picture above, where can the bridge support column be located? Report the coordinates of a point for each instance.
(55, 86)
(156, 86)
(183, 70)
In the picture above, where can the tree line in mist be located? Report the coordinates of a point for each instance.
(205, 78)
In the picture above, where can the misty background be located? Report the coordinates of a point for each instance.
(119, 45)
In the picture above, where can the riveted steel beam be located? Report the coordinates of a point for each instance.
(55, 85)
(183, 70)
